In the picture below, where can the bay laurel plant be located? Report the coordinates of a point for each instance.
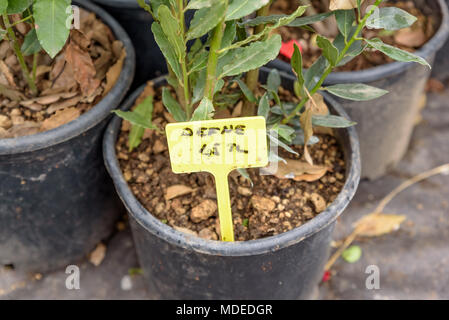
(49, 22)
(222, 46)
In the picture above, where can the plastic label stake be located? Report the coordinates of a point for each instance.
(218, 147)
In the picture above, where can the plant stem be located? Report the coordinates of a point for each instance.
(252, 77)
(212, 62)
(34, 70)
(330, 68)
(19, 55)
(185, 76)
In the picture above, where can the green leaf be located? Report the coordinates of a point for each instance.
(331, 121)
(241, 8)
(229, 34)
(345, 20)
(352, 254)
(199, 62)
(246, 91)
(31, 43)
(390, 18)
(166, 49)
(273, 136)
(285, 132)
(145, 110)
(205, 111)
(18, 6)
(173, 106)
(330, 52)
(264, 106)
(297, 66)
(3, 6)
(314, 73)
(145, 6)
(199, 4)
(135, 119)
(299, 139)
(256, 55)
(356, 91)
(395, 53)
(52, 27)
(299, 22)
(274, 80)
(206, 19)
(172, 29)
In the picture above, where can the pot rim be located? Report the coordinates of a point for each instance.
(121, 4)
(243, 248)
(392, 68)
(97, 113)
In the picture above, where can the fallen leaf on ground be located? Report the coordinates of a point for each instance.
(343, 4)
(377, 224)
(8, 74)
(96, 257)
(83, 68)
(300, 171)
(177, 191)
(114, 72)
(63, 104)
(410, 37)
(60, 118)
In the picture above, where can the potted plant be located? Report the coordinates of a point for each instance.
(385, 124)
(58, 87)
(283, 222)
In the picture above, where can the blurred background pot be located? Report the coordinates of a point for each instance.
(180, 266)
(385, 124)
(56, 198)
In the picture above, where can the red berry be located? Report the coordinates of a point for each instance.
(326, 276)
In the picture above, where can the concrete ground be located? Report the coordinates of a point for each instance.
(413, 262)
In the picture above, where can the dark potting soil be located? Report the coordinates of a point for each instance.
(69, 85)
(187, 202)
(409, 39)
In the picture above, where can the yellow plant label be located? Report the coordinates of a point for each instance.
(218, 147)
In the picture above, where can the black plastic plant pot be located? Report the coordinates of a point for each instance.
(180, 266)
(441, 72)
(137, 22)
(56, 198)
(385, 125)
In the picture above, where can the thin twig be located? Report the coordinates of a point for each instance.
(383, 203)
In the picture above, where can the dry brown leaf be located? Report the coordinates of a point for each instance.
(41, 70)
(343, 4)
(60, 118)
(8, 74)
(96, 257)
(306, 125)
(11, 93)
(25, 128)
(177, 191)
(410, 37)
(237, 112)
(61, 75)
(63, 104)
(377, 224)
(319, 107)
(83, 68)
(114, 72)
(300, 171)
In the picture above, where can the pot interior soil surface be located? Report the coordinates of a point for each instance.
(68, 86)
(187, 202)
(409, 39)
